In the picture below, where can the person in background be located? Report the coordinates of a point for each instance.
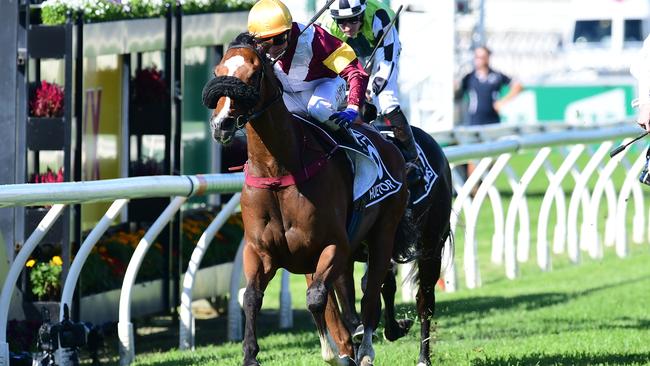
(313, 67)
(483, 87)
(361, 24)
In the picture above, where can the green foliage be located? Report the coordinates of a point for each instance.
(45, 279)
(55, 12)
(106, 265)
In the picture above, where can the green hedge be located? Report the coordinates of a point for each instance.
(55, 12)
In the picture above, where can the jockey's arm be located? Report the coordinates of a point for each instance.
(385, 59)
(357, 81)
(343, 61)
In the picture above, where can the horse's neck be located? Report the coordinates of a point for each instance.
(274, 143)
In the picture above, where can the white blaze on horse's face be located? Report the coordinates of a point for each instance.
(232, 64)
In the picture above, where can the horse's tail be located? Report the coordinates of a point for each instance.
(413, 275)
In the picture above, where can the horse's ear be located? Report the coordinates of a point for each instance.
(209, 95)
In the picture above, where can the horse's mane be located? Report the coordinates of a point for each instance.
(243, 39)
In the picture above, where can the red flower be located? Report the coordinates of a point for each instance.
(149, 86)
(48, 177)
(48, 101)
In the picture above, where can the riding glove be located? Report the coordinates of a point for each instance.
(344, 118)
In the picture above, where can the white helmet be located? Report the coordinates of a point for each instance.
(347, 8)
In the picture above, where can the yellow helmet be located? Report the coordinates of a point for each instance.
(268, 18)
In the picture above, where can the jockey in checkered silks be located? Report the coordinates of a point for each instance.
(361, 24)
(640, 69)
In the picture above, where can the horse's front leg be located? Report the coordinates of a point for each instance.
(338, 335)
(344, 287)
(393, 328)
(428, 272)
(257, 278)
(320, 300)
(379, 253)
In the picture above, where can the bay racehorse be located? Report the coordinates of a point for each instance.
(421, 239)
(297, 201)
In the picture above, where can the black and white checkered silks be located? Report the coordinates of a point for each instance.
(347, 8)
(384, 73)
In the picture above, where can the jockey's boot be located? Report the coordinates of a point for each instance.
(402, 130)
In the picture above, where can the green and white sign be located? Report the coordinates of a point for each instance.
(571, 103)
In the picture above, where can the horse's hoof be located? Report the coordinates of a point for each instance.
(251, 363)
(357, 336)
(346, 361)
(402, 329)
(366, 361)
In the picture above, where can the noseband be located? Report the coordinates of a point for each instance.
(235, 88)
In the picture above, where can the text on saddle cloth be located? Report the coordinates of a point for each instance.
(430, 175)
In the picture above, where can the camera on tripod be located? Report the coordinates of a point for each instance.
(65, 334)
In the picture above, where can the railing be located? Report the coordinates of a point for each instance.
(119, 190)
(573, 142)
(490, 147)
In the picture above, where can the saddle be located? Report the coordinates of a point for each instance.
(372, 181)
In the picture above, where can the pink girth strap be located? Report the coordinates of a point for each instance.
(286, 180)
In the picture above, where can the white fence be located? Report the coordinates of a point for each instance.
(492, 155)
(490, 147)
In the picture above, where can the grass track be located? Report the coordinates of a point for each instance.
(597, 313)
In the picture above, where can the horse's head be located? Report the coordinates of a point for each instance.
(237, 89)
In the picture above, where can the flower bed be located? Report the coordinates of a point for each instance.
(106, 265)
(54, 12)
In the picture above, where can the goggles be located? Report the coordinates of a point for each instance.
(276, 40)
(351, 20)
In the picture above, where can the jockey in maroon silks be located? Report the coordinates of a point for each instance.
(313, 67)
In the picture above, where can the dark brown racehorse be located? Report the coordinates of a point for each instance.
(421, 239)
(297, 201)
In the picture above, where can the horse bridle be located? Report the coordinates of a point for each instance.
(242, 119)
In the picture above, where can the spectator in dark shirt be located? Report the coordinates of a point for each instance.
(483, 86)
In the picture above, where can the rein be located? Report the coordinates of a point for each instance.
(244, 118)
(275, 183)
(235, 88)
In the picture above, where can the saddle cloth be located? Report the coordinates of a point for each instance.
(371, 178)
(430, 175)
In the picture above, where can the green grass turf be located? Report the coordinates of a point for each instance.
(596, 313)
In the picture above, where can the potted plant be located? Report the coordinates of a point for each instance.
(34, 215)
(45, 283)
(45, 127)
